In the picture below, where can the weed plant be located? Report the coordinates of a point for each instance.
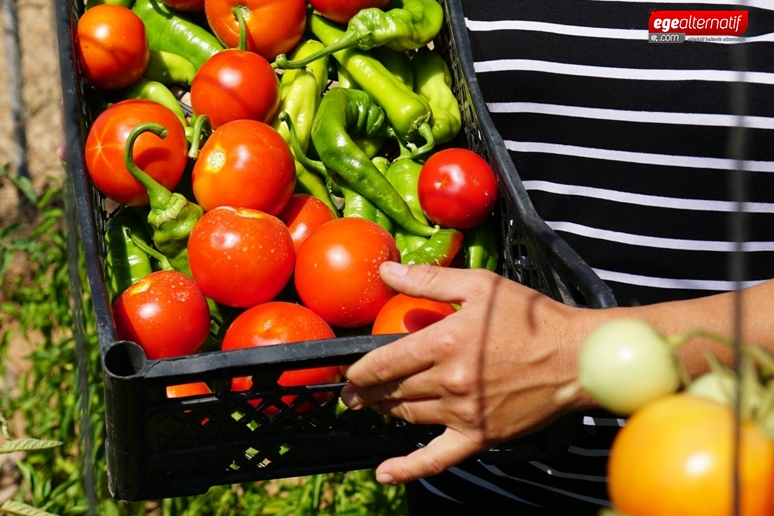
(36, 303)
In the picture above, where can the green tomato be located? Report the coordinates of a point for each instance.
(719, 387)
(625, 363)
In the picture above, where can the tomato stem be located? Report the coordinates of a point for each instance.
(196, 137)
(238, 12)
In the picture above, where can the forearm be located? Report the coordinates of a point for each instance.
(714, 314)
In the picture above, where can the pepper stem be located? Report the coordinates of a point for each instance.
(426, 132)
(348, 40)
(196, 135)
(159, 196)
(295, 148)
(239, 14)
(145, 248)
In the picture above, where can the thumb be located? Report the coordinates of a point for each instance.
(437, 283)
(446, 450)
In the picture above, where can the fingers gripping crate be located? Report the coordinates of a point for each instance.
(160, 448)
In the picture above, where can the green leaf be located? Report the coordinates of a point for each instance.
(24, 185)
(23, 509)
(28, 445)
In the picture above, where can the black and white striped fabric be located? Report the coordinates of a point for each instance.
(623, 147)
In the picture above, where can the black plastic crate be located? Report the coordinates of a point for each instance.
(161, 448)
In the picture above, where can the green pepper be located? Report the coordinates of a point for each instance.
(405, 25)
(398, 64)
(342, 112)
(403, 175)
(319, 68)
(168, 68)
(370, 145)
(300, 105)
(176, 33)
(439, 250)
(356, 205)
(481, 246)
(157, 92)
(126, 262)
(433, 80)
(408, 113)
(171, 216)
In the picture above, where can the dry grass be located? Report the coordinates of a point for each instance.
(41, 93)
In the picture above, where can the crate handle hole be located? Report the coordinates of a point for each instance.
(124, 359)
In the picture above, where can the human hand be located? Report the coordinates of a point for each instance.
(489, 372)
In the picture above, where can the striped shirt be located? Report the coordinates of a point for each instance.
(623, 147)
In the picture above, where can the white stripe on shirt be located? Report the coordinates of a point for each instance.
(561, 474)
(497, 471)
(667, 160)
(655, 201)
(672, 283)
(604, 72)
(623, 115)
(487, 485)
(679, 244)
(588, 452)
(586, 32)
(760, 4)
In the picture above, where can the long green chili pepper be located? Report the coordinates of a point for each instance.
(370, 145)
(157, 92)
(319, 68)
(172, 216)
(300, 105)
(405, 25)
(126, 262)
(398, 64)
(439, 250)
(408, 113)
(344, 112)
(168, 68)
(175, 32)
(403, 175)
(356, 205)
(433, 80)
(332, 183)
(482, 247)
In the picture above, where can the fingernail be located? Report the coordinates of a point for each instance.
(384, 478)
(350, 399)
(395, 268)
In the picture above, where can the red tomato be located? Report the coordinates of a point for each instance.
(281, 323)
(235, 85)
(244, 164)
(240, 257)
(165, 313)
(189, 6)
(302, 215)
(112, 46)
(340, 11)
(406, 314)
(273, 26)
(162, 159)
(337, 271)
(674, 456)
(188, 389)
(457, 188)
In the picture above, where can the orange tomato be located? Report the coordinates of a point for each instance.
(406, 314)
(674, 457)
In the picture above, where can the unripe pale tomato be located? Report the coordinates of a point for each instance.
(235, 85)
(162, 159)
(165, 313)
(625, 363)
(674, 456)
(337, 271)
(244, 164)
(302, 215)
(112, 46)
(281, 323)
(240, 257)
(406, 314)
